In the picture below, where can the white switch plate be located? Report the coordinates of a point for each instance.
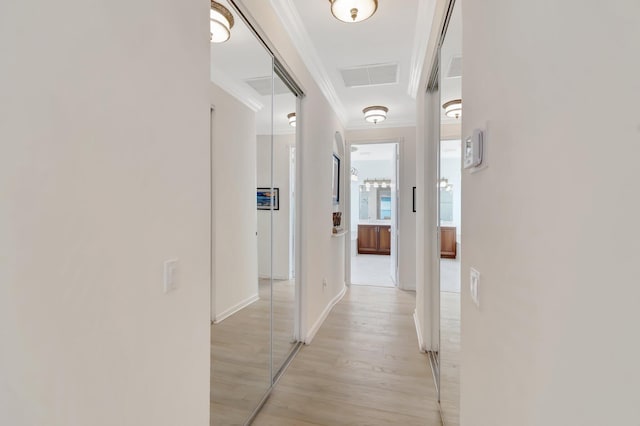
(474, 284)
(170, 275)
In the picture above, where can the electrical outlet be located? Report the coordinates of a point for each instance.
(474, 284)
(170, 275)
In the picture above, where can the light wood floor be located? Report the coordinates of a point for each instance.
(363, 368)
(450, 357)
(240, 347)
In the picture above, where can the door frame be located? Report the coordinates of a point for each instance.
(347, 207)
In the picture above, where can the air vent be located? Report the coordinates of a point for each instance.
(370, 75)
(262, 85)
(455, 67)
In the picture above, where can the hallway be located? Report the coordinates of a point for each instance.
(363, 367)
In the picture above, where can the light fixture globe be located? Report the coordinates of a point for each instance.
(353, 10)
(292, 119)
(375, 114)
(453, 108)
(220, 23)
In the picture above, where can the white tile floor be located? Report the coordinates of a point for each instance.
(371, 269)
(450, 275)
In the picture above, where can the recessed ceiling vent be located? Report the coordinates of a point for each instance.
(370, 75)
(262, 85)
(455, 67)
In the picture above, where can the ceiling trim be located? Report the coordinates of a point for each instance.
(290, 18)
(426, 11)
(243, 93)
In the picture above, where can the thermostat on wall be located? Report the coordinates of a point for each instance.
(473, 149)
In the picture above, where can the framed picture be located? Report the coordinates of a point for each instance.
(414, 199)
(268, 198)
(335, 183)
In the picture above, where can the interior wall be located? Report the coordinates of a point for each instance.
(234, 185)
(104, 175)
(451, 169)
(554, 336)
(407, 178)
(321, 255)
(281, 218)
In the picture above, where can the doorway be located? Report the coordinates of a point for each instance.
(374, 213)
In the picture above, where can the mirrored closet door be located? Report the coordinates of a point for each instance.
(449, 207)
(254, 289)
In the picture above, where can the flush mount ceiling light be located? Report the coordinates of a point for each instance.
(220, 22)
(292, 119)
(453, 108)
(353, 10)
(374, 114)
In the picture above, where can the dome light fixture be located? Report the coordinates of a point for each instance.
(375, 114)
(292, 119)
(453, 108)
(351, 11)
(220, 22)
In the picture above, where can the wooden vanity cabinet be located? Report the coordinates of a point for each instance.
(448, 242)
(374, 239)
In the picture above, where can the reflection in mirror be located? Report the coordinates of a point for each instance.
(242, 79)
(282, 153)
(450, 165)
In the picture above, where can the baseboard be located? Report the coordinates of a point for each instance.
(421, 345)
(232, 310)
(314, 329)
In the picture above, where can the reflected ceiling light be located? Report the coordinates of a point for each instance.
(220, 22)
(353, 10)
(292, 119)
(374, 114)
(453, 108)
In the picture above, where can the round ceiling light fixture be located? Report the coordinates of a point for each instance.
(220, 22)
(353, 10)
(375, 114)
(292, 119)
(453, 108)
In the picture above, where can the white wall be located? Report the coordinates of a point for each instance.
(407, 178)
(451, 169)
(556, 336)
(235, 215)
(281, 218)
(321, 254)
(104, 175)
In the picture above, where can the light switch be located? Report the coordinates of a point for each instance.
(474, 284)
(170, 275)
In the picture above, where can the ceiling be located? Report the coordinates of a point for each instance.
(451, 59)
(395, 38)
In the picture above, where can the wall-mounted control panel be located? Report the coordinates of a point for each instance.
(472, 149)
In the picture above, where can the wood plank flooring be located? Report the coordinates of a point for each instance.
(363, 368)
(240, 346)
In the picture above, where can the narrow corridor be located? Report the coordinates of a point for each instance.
(363, 368)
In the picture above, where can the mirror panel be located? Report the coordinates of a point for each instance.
(283, 149)
(449, 202)
(241, 375)
(255, 307)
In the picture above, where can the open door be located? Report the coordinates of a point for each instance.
(394, 215)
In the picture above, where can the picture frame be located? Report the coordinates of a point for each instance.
(414, 199)
(268, 198)
(335, 183)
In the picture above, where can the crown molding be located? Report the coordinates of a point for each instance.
(291, 21)
(426, 11)
(241, 92)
